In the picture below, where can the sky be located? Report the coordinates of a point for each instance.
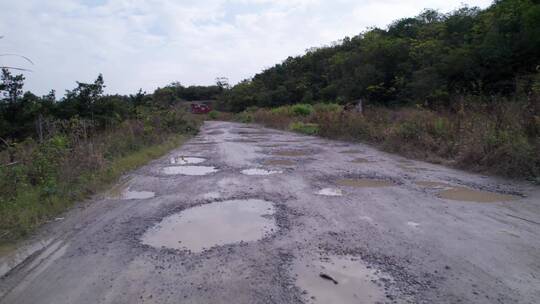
(151, 43)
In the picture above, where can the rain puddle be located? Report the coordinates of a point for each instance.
(279, 162)
(243, 140)
(351, 151)
(430, 184)
(181, 160)
(189, 170)
(257, 171)
(360, 161)
(341, 280)
(128, 195)
(214, 224)
(471, 195)
(364, 183)
(330, 192)
(122, 191)
(290, 153)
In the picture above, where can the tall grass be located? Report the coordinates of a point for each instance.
(501, 137)
(39, 180)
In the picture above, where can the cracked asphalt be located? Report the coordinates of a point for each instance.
(427, 249)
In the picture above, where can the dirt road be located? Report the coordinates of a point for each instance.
(244, 214)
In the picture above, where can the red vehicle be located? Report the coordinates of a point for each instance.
(200, 108)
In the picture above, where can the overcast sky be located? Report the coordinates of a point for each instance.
(146, 44)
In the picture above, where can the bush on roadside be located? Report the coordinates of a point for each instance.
(305, 128)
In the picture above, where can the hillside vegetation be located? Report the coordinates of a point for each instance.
(56, 152)
(461, 88)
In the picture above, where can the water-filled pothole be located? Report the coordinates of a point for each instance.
(339, 280)
(431, 184)
(330, 192)
(360, 161)
(364, 182)
(290, 152)
(472, 195)
(353, 151)
(279, 162)
(189, 170)
(214, 224)
(186, 160)
(138, 195)
(258, 171)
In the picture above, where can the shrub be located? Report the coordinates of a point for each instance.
(306, 128)
(213, 115)
(327, 107)
(302, 109)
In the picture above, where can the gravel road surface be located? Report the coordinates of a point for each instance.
(245, 214)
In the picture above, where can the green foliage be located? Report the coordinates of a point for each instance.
(302, 109)
(327, 107)
(306, 128)
(427, 60)
(213, 115)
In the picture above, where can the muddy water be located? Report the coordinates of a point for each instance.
(279, 162)
(351, 151)
(290, 153)
(355, 282)
(213, 224)
(360, 161)
(189, 170)
(258, 171)
(364, 183)
(181, 160)
(431, 184)
(471, 195)
(330, 192)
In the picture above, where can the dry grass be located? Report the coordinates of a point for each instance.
(502, 138)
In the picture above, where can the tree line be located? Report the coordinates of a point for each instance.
(429, 59)
(24, 114)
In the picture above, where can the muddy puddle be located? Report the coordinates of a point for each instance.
(123, 192)
(360, 161)
(189, 170)
(432, 184)
(353, 151)
(341, 280)
(291, 153)
(364, 183)
(136, 195)
(409, 168)
(279, 162)
(243, 140)
(186, 160)
(330, 192)
(214, 224)
(471, 195)
(259, 171)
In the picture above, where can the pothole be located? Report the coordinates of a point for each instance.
(364, 182)
(137, 195)
(341, 280)
(214, 224)
(472, 195)
(184, 160)
(353, 151)
(258, 171)
(360, 161)
(242, 140)
(189, 170)
(330, 192)
(279, 162)
(290, 152)
(431, 184)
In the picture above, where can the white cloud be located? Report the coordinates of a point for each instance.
(145, 44)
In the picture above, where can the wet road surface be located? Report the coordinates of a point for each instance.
(245, 214)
